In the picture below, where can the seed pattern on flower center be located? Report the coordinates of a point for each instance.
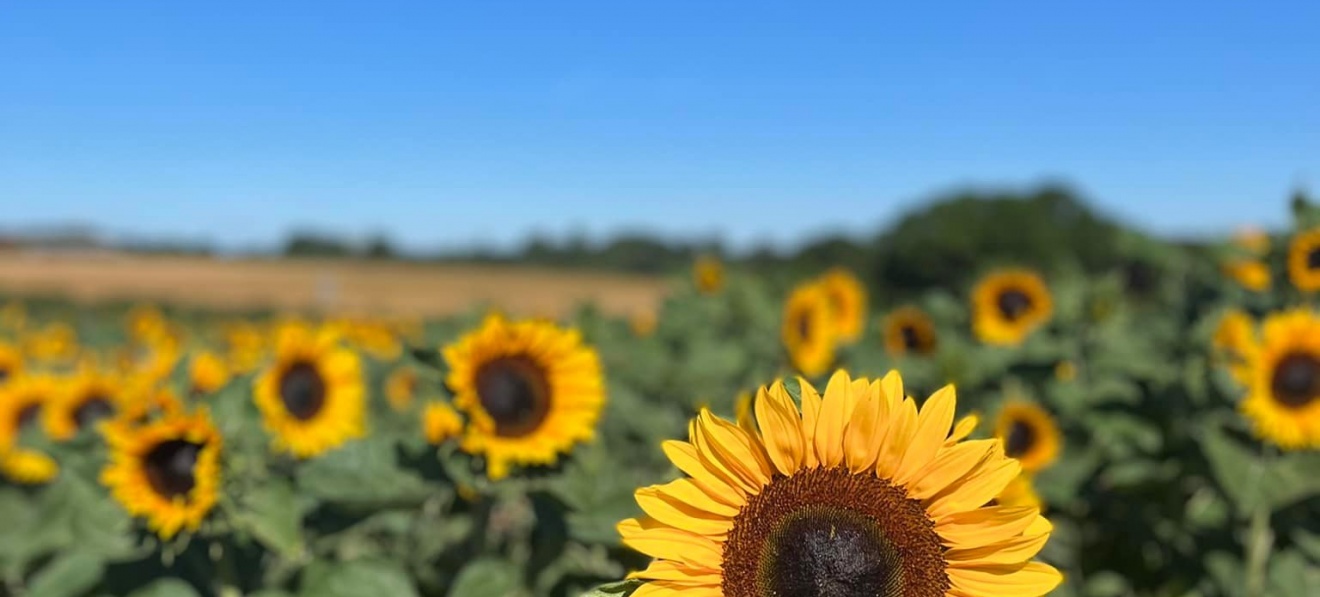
(302, 389)
(1313, 259)
(830, 533)
(1296, 380)
(1013, 304)
(170, 467)
(515, 393)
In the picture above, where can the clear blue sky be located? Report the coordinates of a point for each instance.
(235, 121)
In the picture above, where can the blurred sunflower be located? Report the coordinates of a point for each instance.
(401, 387)
(22, 402)
(1304, 260)
(245, 346)
(207, 373)
(708, 274)
(1248, 273)
(312, 398)
(142, 404)
(145, 322)
(1008, 305)
(808, 329)
(11, 362)
(531, 390)
(643, 323)
(1252, 240)
(153, 357)
(1029, 434)
(375, 338)
(847, 298)
(440, 422)
(908, 330)
(856, 493)
(1235, 341)
(1065, 371)
(1283, 400)
(167, 471)
(55, 342)
(1020, 492)
(88, 398)
(13, 316)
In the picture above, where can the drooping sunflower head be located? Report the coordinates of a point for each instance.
(311, 398)
(1248, 273)
(1304, 260)
(854, 492)
(11, 362)
(167, 471)
(401, 388)
(207, 373)
(908, 330)
(1008, 305)
(848, 302)
(808, 329)
(22, 403)
(531, 390)
(1029, 434)
(708, 274)
(1283, 403)
(89, 398)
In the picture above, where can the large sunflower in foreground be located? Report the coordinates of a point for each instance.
(312, 398)
(1029, 434)
(1304, 260)
(167, 471)
(847, 301)
(908, 330)
(1283, 400)
(808, 329)
(1008, 305)
(856, 493)
(85, 400)
(22, 401)
(531, 389)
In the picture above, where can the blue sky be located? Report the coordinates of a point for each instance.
(447, 125)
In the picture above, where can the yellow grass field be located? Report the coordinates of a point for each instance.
(326, 285)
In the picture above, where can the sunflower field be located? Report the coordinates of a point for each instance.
(1152, 430)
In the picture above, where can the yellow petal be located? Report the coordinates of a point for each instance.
(659, 541)
(861, 439)
(735, 449)
(662, 588)
(984, 526)
(952, 463)
(678, 572)
(902, 424)
(976, 489)
(667, 510)
(932, 429)
(811, 404)
(963, 428)
(781, 429)
(1008, 552)
(834, 412)
(1030, 580)
(685, 458)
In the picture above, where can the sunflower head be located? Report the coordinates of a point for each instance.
(167, 471)
(312, 397)
(401, 388)
(1248, 273)
(1235, 342)
(246, 345)
(11, 362)
(708, 274)
(853, 492)
(1252, 240)
(23, 401)
(908, 330)
(530, 389)
(27, 467)
(1029, 434)
(440, 422)
(1283, 403)
(808, 329)
(643, 323)
(1304, 260)
(56, 341)
(207, 373)
(1008, 305)
(91, 397)
(847, 301)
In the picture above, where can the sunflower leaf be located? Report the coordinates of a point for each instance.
(166, 587)
(359, 578)
(427, 356)
(69, 575)
(489, 576)
(618, 589)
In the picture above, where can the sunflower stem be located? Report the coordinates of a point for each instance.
(1260, 536)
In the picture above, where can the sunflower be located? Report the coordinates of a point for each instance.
(207, 373)
(1235, 341)
(530, 388)
(909, 330)
(1029, 434)
(245, 345)
(167, 471)
(22, 402)
(13, 316)
(401, 387)
(808, 329)
(1253, 240)
(856, 493)
(1008, 305)
(89, 398)
(373, 337)
(1021, 491)
(708, 274)
(847, 302)
(153, 357)
(440, 422)
(56, 341)
(1304, 260)
(1248, 273)
(312, 397)
(11, 362)
(1283, 401)
(145, 322)
(643, 323)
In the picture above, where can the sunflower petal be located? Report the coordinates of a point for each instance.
(952, 463)
(983, 526)
(932, 429)
(963, 428)
(685, 458)
(678, 572)
(660, 541)
(834, 413)
(781, 429)
(811, 405)
(1029, 580)
(1006, 553)
(902, 424)
(667, 510)
(977, 488)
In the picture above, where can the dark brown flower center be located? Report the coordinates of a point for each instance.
(830, 533)
(1020, 439)
(1313, 259)
(4, 374)
(302, 389)
(911, 338)
(28, 415)
(1013, 304)
(170, 467)
(515, 392)
(803, 324)
(93, 410)
(1296, 380)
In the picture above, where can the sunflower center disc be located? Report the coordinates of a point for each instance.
(830, 533)
(1013, 304)
(804, 325)
(28, 415)
(1313, 259)
(1296, 380)
(4, 374)
(92, 410)
(1021, 437)
(302, 390)
(515, 393)
(170, 466)
(910, 338)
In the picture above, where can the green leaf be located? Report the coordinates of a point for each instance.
(166, 587)
(364, 473)
(618, 589)
(1251, 482)
(427, 356)
(488, 576)
(356, 579)
(1290, 576)
(69, 575)
(273, 514)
